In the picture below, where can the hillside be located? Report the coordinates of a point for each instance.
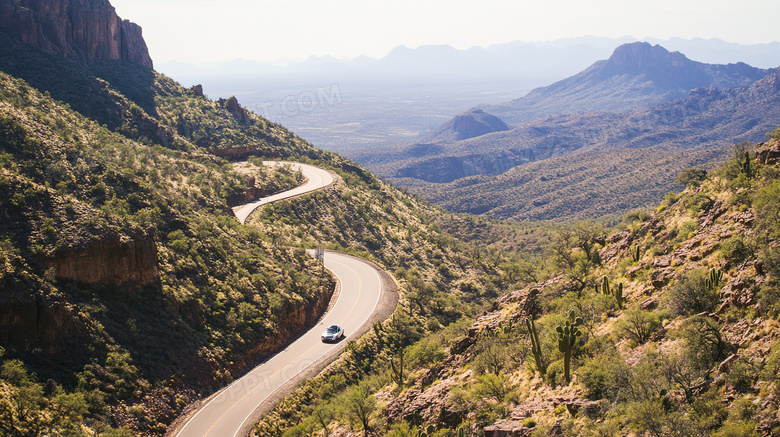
(129, 285)
(669, 321)
(129, 289)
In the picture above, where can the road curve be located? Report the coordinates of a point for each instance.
(365, 295)
(316, 178)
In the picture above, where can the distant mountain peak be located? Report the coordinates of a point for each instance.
(467, 125)
(641, 55)
(635, 75)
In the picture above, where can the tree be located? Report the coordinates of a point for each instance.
(691, 177)
(638, 325)
(360, 404)
(574, 251)
(692, 295)
(323, 414)
(491, 385)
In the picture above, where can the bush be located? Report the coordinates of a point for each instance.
(691, 296)
(733, 428)
(554, 374)
(735, 250)
(638, 325)
(703, 342)
(603, 376)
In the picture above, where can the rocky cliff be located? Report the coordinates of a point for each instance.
(119, 262)
(89, 29)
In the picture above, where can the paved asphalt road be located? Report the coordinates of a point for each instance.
(316, 178)
(232, 411)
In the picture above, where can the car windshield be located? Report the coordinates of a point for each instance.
(333, 329)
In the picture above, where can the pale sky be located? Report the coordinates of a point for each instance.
(202, 31)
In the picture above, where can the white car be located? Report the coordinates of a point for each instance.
(333, 333)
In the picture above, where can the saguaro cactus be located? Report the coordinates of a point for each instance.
(505, 329)
(636, 255)
(397, 371)
(536, 347)
(745, 168)
(713, 279)
(619, 296)
(617, 291)
(605, 286)
(567, 338)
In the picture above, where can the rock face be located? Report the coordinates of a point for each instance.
(74, 28)
(769, 153)
(125, 263)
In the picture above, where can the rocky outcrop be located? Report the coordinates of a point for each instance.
(768, 153)
(233, 107)
(432, 404)
(89, 29)
(507, 428)
(125, 262)
(197, 90)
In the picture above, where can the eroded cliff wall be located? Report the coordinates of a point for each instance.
(74, 28)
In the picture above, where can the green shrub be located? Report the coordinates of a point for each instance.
(670, 198)
(638, 325)
(732, 428)
(690, 295)
(736, 250)
(554, 374)
(686, 229)
(603, 376)
(703, 343)
(742, 376)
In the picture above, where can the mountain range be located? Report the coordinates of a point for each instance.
(637, 74)
(537, 60)
(633, 100)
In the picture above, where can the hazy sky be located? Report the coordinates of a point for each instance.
(199, 31)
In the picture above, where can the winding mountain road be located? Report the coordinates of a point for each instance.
(366, 294)
(316, 179)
